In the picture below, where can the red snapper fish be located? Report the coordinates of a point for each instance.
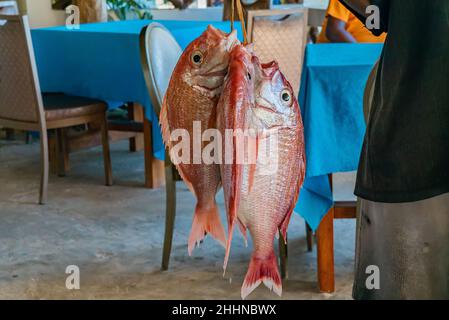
(190, 105)
(261, 191)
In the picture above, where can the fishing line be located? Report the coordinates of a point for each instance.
(241, 18)
(232, 15)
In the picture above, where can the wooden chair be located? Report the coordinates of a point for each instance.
(24, 107)
(280, 35)
(340, 210)
(159, 53)
(135, 127)
(246, 5)
(9, 7)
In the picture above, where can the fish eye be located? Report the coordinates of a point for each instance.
(197, 57)
(286, 97)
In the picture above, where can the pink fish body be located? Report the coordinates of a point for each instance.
(260, 195)
(192, 96)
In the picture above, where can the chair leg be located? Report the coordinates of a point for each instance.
(106, 152)
(283, 256)
(62, 156)
(309, 237)
(10, 134)
(325, 253)
(136, 113)
(44, 168)
(170, 185)
(148, 154)
(28, 137)
(52, 152)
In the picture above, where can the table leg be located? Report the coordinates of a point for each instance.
(154, 168)
(10, 134)
(62, 152)
(148, 153)
(283, 255)
(136, 113)
(52, 151)
(325, 253)
(309, 237)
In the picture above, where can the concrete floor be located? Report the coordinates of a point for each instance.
(114, 235)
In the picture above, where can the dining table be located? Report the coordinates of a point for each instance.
(333, 82)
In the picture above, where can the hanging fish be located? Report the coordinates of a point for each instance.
(190, 104)
(261, 191)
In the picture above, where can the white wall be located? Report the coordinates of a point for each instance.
(209, 14)
(41, 14)
(316, 4)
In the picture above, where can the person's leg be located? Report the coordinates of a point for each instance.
(409, 243)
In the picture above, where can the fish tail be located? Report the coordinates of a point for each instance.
(206, 220)
(262, 270)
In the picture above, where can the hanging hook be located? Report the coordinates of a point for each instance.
(232, 15)
(242, 21)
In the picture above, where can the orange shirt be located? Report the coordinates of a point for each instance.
(353, 25)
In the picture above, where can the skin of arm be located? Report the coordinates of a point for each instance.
(336, 31)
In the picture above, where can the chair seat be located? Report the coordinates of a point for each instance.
(60, 106)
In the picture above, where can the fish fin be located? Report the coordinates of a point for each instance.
(236, 184)
(163, 121)
(232, 216)
(206, 221)
(231, 222)
(284, 224)
(165, 129)
(242, 228)
(250, 47)
(234, 201)
(262, 270)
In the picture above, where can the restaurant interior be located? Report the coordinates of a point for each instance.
(89, 190)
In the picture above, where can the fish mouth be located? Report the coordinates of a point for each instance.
(220, 69)
(216, 73)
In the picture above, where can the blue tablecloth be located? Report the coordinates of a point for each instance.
(331, 99)
(102, 61)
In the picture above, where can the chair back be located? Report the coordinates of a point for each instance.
(160, 53)
(246, 5)
(280, 35)
(20, 97)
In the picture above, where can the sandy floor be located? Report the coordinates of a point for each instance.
(114, 235)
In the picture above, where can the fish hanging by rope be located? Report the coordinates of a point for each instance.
(267, 168)
(190, 104)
